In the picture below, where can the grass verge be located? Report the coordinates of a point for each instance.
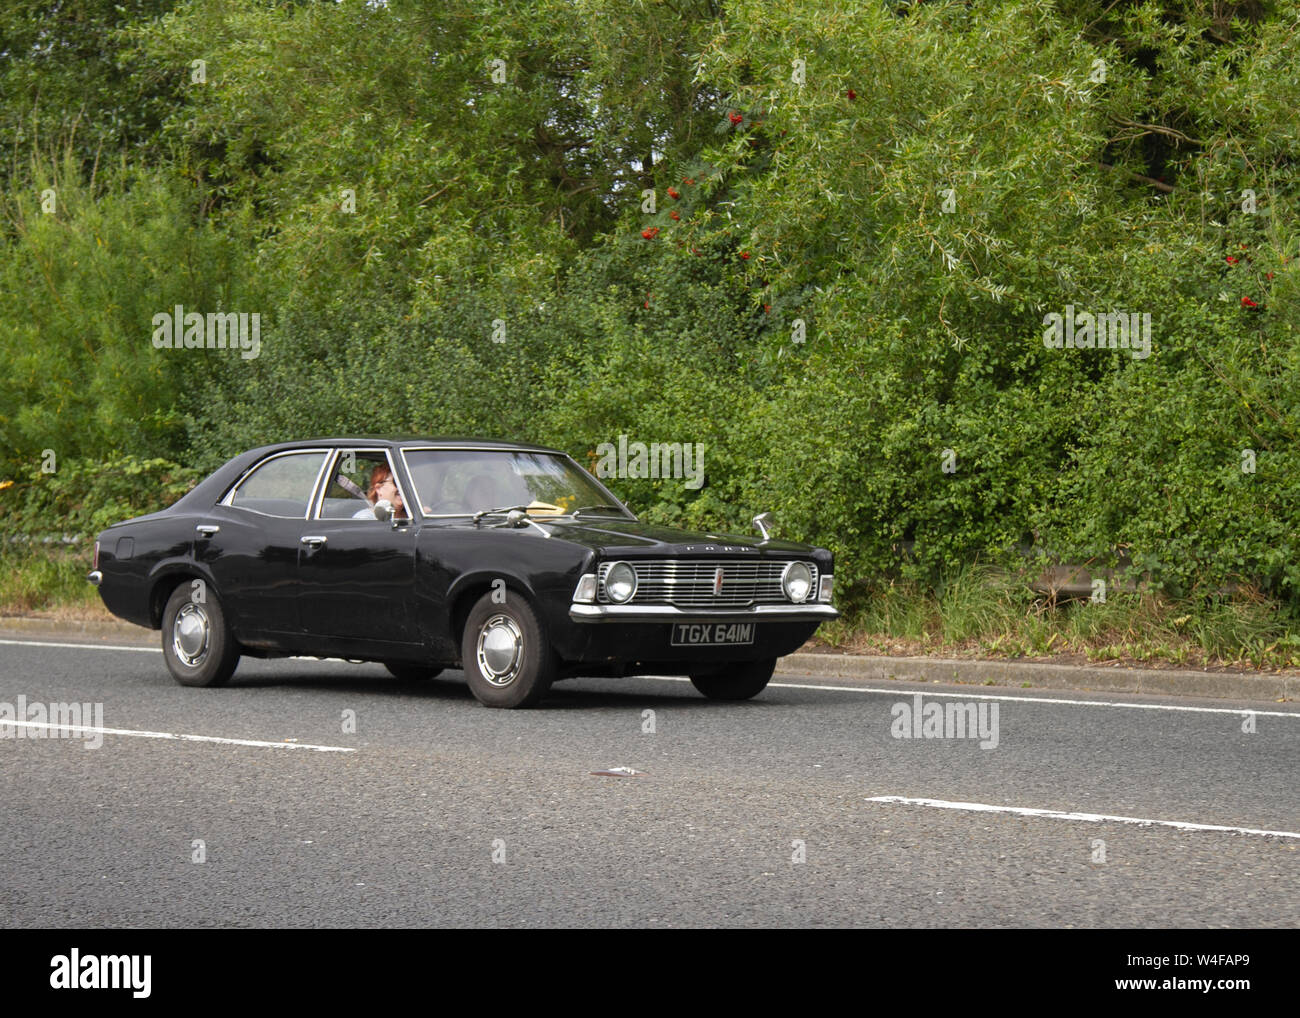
(49, 582)
(977, 612)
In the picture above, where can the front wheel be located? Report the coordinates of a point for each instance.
(508, 659)
(198, 646)
(735, 682)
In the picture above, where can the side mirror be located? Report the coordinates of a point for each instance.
(383, 510)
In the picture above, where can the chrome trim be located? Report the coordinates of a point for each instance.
(206, 530)
(690, 582)
(95, 577)
(500, 650)
(191, 635)
(312, 539)
(659, 613)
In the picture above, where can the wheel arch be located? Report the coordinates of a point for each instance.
(166, 579)
(467, 590)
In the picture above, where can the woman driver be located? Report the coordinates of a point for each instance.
(383, 485)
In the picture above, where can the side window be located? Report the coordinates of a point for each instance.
(281, 486)
(347, 491)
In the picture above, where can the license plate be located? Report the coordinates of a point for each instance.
(712, 634)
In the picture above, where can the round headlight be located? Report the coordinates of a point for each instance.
(796, 581)
(620, 582)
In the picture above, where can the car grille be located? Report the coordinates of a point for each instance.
(689, 583)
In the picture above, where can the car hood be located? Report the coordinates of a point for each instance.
(639, 540)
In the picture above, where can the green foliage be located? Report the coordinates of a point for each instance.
(43, 577)
(82, 497)
(65, 75)
(873, 207)
(79, 287)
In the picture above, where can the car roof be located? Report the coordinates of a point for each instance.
(444, 442)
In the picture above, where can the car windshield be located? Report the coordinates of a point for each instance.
(454, 482)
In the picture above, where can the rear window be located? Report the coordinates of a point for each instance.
(280, 486)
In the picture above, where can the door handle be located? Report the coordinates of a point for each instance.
(314, 541)
(206, 530)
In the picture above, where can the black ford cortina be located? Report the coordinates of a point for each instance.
(509, 561)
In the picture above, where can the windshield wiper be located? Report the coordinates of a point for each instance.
(493, 512)
(618, 509)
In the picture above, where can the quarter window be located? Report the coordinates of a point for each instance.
(281, 486)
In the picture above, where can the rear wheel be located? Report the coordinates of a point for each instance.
(736, 681)
(508, 659)
(410, 672)
(197, 643)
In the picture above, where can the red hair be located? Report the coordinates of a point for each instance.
(378, 476)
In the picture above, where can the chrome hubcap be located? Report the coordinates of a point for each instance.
(500, 650)
(191, 635)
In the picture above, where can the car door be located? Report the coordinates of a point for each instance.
(356, 576)
(249, 543)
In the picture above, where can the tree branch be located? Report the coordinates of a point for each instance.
(1159, 185)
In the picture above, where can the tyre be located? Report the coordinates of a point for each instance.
(508, 659)
(410, 672)
(197, 643)
(735, 682)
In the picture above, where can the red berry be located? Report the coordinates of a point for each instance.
(650, 233)
(1246, 302)
(674, 193)
(674, 216)
(1269, 276)
(735, 117)
(744, 255)
(851, 94)
(1231, 260)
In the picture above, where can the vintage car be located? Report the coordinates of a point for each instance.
(509, 561)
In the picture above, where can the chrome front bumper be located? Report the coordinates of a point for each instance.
(670, 613)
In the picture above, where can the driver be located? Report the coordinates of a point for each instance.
(382, 485)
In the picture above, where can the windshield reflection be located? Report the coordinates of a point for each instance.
(463, 482)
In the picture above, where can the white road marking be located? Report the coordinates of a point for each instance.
(1092, 818)
(81, 646)
(174, 735)
(950, 694)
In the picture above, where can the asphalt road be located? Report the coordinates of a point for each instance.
(438, 812)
